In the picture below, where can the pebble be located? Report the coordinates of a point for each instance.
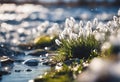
(28, 70)
(31, 62)
(17, 70)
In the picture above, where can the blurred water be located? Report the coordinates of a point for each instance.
(19, 71)
(21, 23)
(24, 76)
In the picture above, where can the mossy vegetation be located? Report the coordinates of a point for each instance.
(44, 41)
(82, 48)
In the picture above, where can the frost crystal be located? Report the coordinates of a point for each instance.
(57, 42)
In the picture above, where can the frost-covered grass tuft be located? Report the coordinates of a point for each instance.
(84, 42)
(81, 47)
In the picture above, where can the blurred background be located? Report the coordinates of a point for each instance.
(29, 16)
(66, 2)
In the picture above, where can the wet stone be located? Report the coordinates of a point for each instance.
(27, 46)
(37, 53)
(31, 62)
(28, 70)
(17, 70)
(5, 60)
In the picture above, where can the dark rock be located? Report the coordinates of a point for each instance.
(31, 62)
(5, 60)
(17, 70)
(0, 77)
(28, 70)
(28, 46)
(46, 63)
(4, 73)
